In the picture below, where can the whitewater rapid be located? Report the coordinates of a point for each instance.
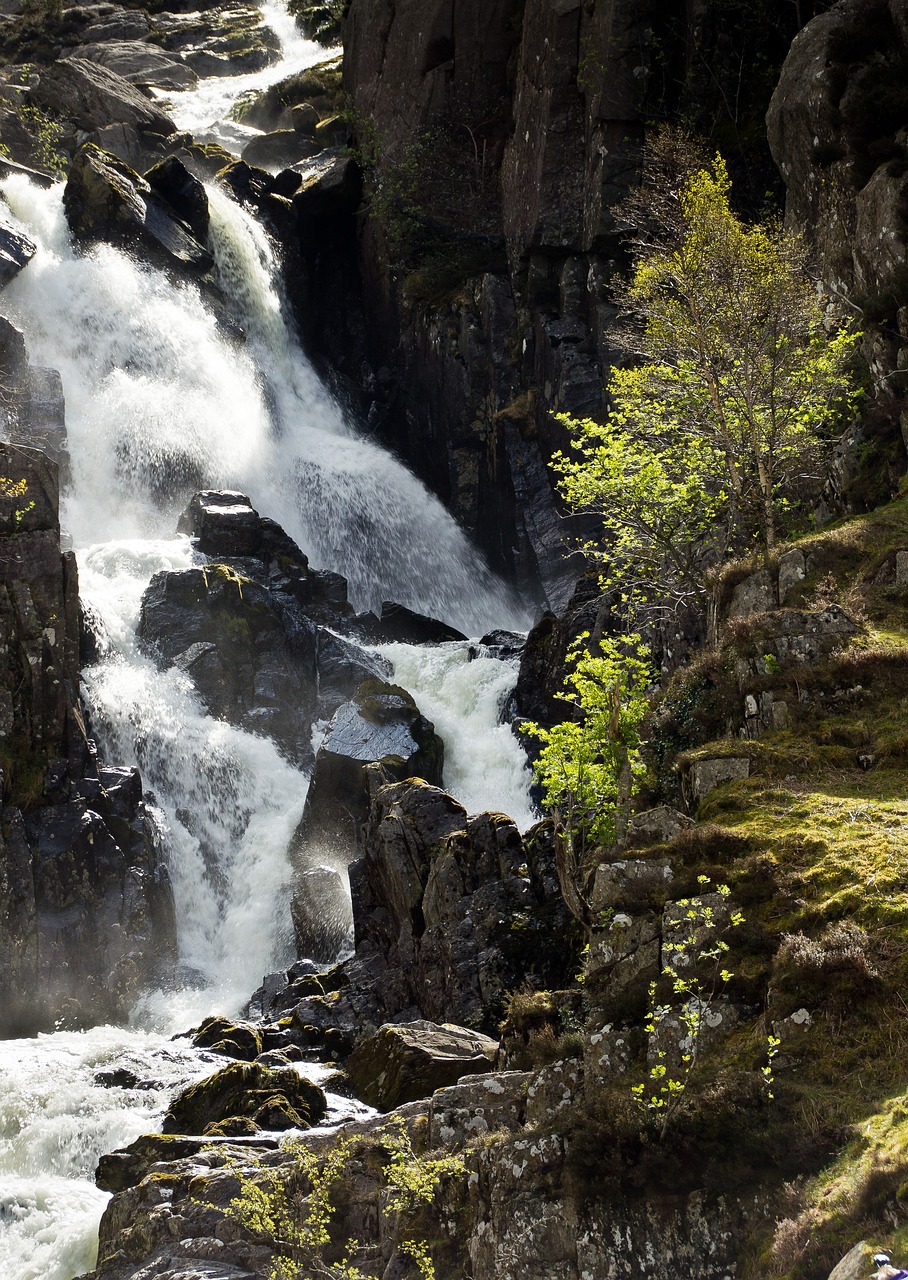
(163, 398)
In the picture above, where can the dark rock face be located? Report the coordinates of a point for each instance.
(381, 723)
(450, 912)
(84, 897)
(278, 150)
(106, 200)
(252, 630)
(837, 126)
(16, 251)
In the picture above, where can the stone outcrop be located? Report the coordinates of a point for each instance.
(107, 200)
(837, 126)
(450, 913)
(91, 96)
(403, 1062)
(84, 898)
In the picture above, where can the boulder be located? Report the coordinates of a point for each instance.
(141, 64)
(855, 1265)
(221, 522)
(400, 625)
(305, 118)
(106, 200)
(232, 1039)
(381, 722)
(796, 636)
(330, 185)
(16, 252)
(322, 914)
(274, 151)
(242, 1089)
(404, 1062)
(183, 192)
(92, 96)
(706, 775)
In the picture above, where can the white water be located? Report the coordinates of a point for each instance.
(203, 111)
(485, 765)
(161, 400)
(56, 1120)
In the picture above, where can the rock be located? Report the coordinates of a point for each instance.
(796, 636)
(105, 199)
(706, 775)
(322, 914)
(140, 64)
(222, 523)
(407, 1061)
(656, 826)
(399, 625)
(225, 631)
(274, 151)
(233, 1039)
(630, 884)
(756, 594)
(184, 194)
(240, 1090)
(382, 722)
(901, 568)
(16, 252)
(305, 118)
(128, 1166)
(117, 25)
(342, 667)
(792, 572)
(855, 1265)
(329, 186)
(92, 96)
(476, 1106)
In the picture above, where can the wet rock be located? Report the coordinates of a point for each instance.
(241, 1089)
(230, 40)
(403, 1062)
(382, 722)
(233, 1039)
(343, 667)
(274, 151)
(222, 523)
(92, 96)
(399, 625)
(106, 200)
(183, 192)
(16, 251)
(322, 914)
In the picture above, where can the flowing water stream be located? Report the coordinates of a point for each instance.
(163, 399)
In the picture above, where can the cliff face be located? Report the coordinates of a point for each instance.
(496, 140)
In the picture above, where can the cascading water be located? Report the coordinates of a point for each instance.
(163, 398)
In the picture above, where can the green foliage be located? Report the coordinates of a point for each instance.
(294, 1210)
(692, 952)
(715, 436)
(47, 134)
(12, 491)
(590, 767)
(581, 762)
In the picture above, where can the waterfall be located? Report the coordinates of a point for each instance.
(168, 391)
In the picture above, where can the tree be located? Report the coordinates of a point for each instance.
(590, 766)
(715, 434)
